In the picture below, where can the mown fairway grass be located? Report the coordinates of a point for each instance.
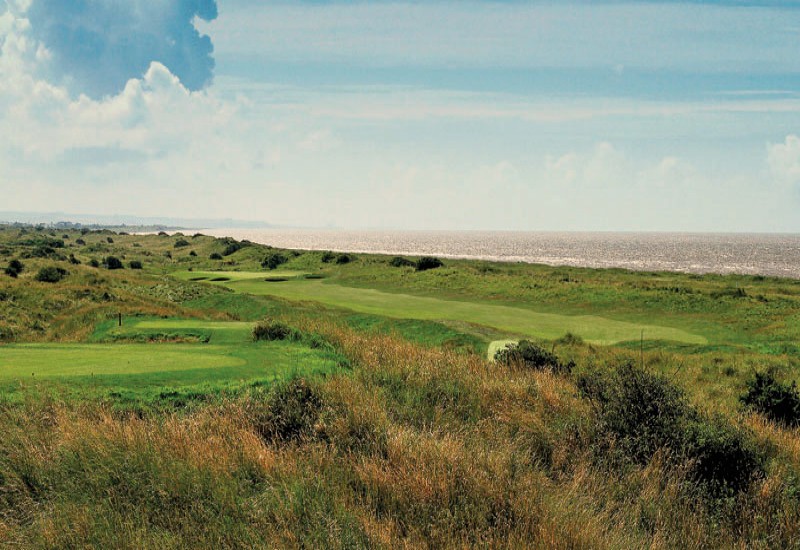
(228, 360)
(525, 322)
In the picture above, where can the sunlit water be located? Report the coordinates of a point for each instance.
(761, 254)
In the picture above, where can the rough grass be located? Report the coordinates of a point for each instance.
(418, 448)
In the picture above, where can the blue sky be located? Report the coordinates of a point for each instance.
(678, 116)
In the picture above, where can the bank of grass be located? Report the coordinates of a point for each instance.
(417, 447)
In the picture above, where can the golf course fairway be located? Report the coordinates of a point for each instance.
(513, 320)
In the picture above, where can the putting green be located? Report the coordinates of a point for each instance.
(230, 358)
(514, 320)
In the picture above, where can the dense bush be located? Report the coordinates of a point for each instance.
(193, 254)
(94, 263)
(344, 259)
(232, 246)
(399, 261)
(15, 267)
(51, 274)
(427, 262)
(643, 413)
(723, 460)
(181, 243)
(328, 257)
(274, 260)
(135, 264)
(73, 260)
(529, 355)
(275, 330)
(112, 262)
(215, 256)
(291, 413)
(80, 242)
(777, 401)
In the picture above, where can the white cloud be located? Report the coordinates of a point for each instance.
(784, 160)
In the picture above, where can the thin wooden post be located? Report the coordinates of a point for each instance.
(120, 318)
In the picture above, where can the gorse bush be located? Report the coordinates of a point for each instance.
(344, 259)
(274, 260)
(215, 256)
(328, 257)
(112, 262)
(399, 261)
(291, 413)
(529, 355)
(777, 401)
(275, 330)
(181, 243)
(427, 262)
(642, 413)
(14, 268)
(51, 274)
(135, 264)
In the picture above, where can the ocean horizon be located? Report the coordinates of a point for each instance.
(767, 254)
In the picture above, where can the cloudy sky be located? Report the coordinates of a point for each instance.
(438, 114)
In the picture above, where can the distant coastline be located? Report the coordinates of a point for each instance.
(765, 254)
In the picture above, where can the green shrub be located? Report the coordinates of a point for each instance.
(181, 243)
(529, 355)
(73, 260)
(342, 259)
(135, 264)
(428, 262)
(399, 261)
(51, 274)
(15, 267)
(80, 242)
(642, 412)
(215, 256)
(112, 262)
(109, 240)
(723, 459)
(193, 254)
(328, 257)
(274, 260)
(291, 414)
(94, 263)
(777, 401)
(275, 330)
(232, 246)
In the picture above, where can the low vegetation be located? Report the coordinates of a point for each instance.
(333, 405)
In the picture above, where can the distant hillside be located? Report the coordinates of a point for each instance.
(124, 220)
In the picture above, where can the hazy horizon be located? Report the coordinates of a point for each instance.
(654, 116)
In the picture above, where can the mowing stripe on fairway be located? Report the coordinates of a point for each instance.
(593, 329)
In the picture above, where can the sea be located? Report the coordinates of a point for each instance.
(753, 254)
